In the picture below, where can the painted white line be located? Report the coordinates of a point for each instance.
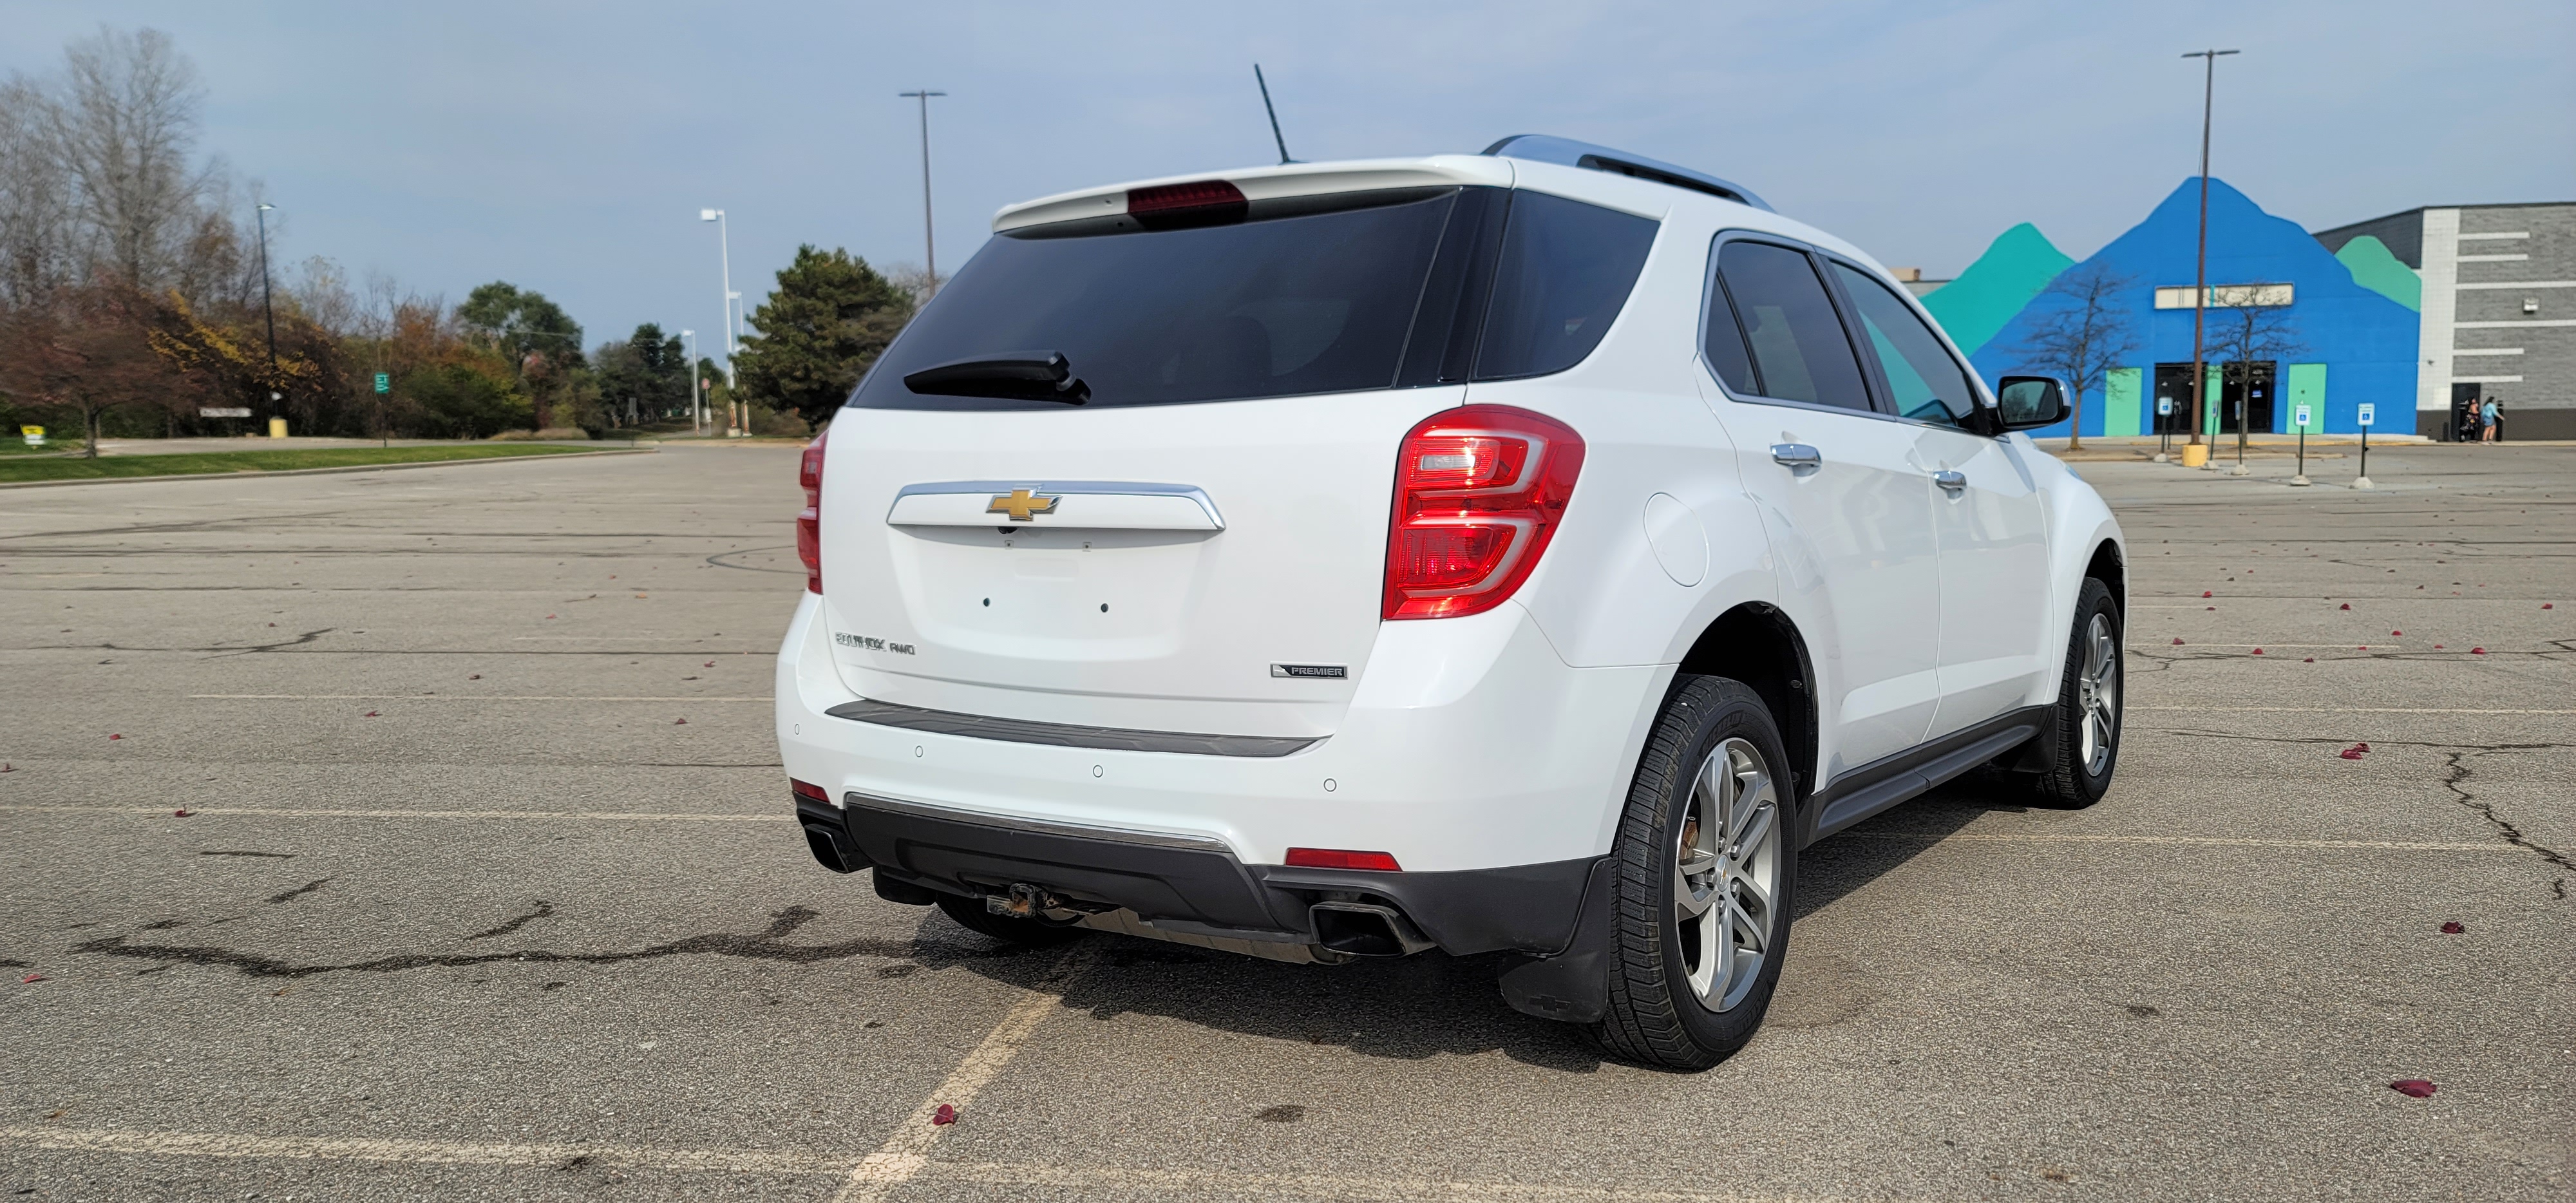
(906, 1154)
(2341, 709)
(785, 1163)
(605, 816)
(459, 697)
(2182, 840)
(430, 1152)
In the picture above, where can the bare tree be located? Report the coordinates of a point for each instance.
(2082, 331)
(2249, 328)
(36, 222)
(125, 127)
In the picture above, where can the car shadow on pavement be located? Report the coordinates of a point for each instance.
(1420, 1006)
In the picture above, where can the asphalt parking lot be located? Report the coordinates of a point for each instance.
(488, 890)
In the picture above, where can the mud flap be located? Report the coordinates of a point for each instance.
(1572, 986)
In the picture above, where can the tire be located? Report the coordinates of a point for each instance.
(2085, 721)
(970, 913)
(1669, 1005)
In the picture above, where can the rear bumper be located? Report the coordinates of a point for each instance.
(1471, 752)
(1197, 887)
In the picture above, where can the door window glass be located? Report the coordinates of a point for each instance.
(1799, 351)
(1928, 384)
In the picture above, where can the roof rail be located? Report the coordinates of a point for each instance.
(1540, 148)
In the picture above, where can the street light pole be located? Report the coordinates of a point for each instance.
(724, 261)
(2200, 270)
(697, 407)
(929, 249)
(266, 305)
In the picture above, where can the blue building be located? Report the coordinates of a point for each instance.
(2337, 330)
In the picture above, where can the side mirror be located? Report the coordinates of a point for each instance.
(2030, 402)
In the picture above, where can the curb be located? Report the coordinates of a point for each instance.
(445, 463)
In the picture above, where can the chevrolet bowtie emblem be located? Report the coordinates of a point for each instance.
(1021, 505)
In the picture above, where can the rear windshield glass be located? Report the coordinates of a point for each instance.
(1340, 301)
(1314, 304)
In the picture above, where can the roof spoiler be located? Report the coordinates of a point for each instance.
(1540, 148)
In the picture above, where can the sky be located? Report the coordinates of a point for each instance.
(568, 147)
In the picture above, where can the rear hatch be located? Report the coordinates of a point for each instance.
(1148, 486)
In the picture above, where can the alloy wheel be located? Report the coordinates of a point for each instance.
(1726, 874)
(2098, 694)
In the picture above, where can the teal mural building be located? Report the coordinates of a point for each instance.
(2348, 320)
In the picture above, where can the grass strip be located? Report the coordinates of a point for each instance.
(18, 468)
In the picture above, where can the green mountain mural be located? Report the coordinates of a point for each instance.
(2374, 268)
(2019, 263)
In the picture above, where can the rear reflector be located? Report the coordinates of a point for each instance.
(809, 521)
(808, 791)
(1335, 858)
(1197, 203)
(1478, 493)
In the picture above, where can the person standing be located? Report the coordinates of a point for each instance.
(2491, 419)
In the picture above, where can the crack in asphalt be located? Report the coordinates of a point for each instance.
(2455, 773)
(763, 946)
(300, 891)
(542, 909)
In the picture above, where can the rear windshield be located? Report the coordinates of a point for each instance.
(1358, 298)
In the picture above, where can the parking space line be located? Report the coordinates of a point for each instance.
(906, 1154)
(464, 697)
(797, 1164)
(2341, 710)
(1963, 837)
(314, 813)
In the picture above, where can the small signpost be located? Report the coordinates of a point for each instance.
(384, 384)
(2164, 429)
(2299, 418)
(35, 435)
(2369, 413)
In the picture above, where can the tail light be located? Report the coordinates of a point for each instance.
(809, 521)
(1478, 492)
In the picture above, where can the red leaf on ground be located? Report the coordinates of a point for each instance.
(679, 722)
(181, 813)
(2397, 634)
(549, 615)
(2477, 651)
(2354, 752)
(32, 977)
(2548, 605)
(2437, 647)
(2204, 593)
(370, 714)
(473, 676)
(2177, 643)
(2414, 1088)
(709, 664)
(2454, 928)
(948, 1115)
(2309, 660)
(116, 737)
(2258, 651)
(2347, 605)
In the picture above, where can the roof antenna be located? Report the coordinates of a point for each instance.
(1274, 115)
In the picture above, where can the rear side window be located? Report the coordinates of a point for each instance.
(1799, 350)
(1928, 385)
(1320, 303)
(1566, 270)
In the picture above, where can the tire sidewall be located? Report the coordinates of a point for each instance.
(2094, 600)
(1738, 714)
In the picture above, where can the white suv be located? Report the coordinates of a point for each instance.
(1525, 552)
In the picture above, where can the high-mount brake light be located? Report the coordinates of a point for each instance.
(809, 521)
(1479, 491)
(1197, 203)
(1335, 858)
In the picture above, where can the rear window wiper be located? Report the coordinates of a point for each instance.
(1018, 375)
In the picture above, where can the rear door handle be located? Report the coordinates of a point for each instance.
(1796, 455)
(1952, 481)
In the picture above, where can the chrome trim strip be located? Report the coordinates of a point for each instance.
(1066, 488)
(854, 800)
(1068, 735)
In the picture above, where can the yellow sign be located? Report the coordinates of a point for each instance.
(1021, 505)
(35, 435)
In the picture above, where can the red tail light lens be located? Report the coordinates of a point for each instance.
(808, 791)
(1335, 858)
(1478, 492)
(809, 521)
(1197, 203)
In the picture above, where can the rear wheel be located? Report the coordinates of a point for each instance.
(1705, 860)
(971, 914)
(2087, 713)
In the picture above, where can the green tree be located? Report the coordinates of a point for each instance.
(830, 318)
(537, 336)
(457, 402)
